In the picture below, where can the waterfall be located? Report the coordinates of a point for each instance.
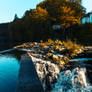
(74, 80)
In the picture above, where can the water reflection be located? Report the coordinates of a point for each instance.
(81, 59)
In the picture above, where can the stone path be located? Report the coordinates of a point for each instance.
(28, 78)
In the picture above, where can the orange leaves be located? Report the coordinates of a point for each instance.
(39, 14)
(42, 12)
(66, 10)
(67, 16)
(68, 21)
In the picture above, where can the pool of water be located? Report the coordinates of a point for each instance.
(9, 69)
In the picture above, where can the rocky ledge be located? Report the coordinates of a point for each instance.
(47, 72)
(50, 58)
(54, 51)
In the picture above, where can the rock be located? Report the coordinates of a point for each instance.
(47, 72)
(55, 57)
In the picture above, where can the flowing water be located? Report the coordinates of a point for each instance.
(71, 79)
(81, 59)
(74, 78)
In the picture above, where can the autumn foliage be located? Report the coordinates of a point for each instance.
(36, 24)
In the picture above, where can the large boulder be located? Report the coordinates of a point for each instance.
(47, 72)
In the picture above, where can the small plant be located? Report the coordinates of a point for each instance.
(72, 48)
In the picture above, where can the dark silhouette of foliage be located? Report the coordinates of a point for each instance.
(83, 33)
(15, 17)
(36, 24)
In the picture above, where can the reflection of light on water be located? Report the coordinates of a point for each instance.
(72, 81)
(9, 68)
(81, 59)
(1, 52)
(24, 49)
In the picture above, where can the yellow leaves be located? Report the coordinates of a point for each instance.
(34, 11)
(49, 54)
(66, 25)
(34, 14)
(42, 11)
(58, 42)
(66, 10)
(48, 43)
(70, 19)
(57, 47)
(68, 44)
(52, 50)
(41, 41)
(61, 12)
(67, 17)
(43, 45)
(73, 48)
(39, 14)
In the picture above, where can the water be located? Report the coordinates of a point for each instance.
(73, 81)
(69, 80)
(81, 59)
(74, 78)
(9, 68)
(5, 51)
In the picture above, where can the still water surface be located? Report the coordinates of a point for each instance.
(9, 68)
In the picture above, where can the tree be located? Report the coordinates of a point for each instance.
(15, 17)
(64, 12)
(39, 14)
(36, 24)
